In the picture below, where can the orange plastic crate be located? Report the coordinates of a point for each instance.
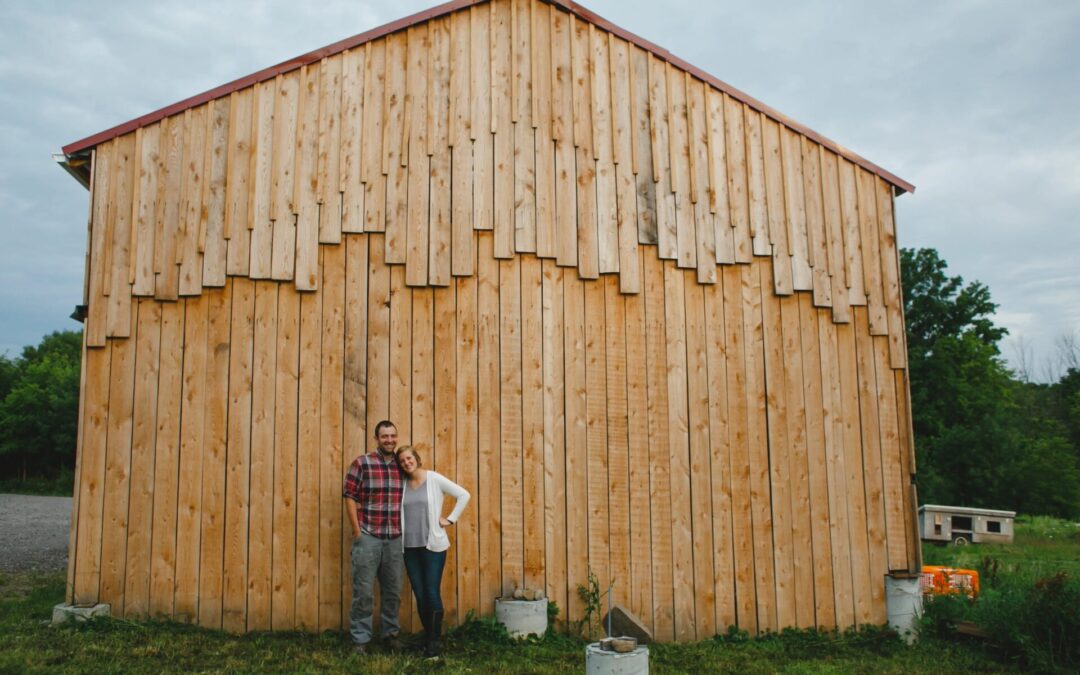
(941, 580)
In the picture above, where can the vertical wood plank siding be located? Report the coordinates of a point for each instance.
(656, 333)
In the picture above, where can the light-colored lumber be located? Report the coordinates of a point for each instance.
(890, 269)
(329, 158)
(891, 468)
(596, 462)
(262, 180)
(704, 219)
(488, 510)
(371, 148)
(286, 400)
(238, 181)
(755, 183)
(212, 532)
(144, 206)
(395, 134)
(92, 477)
(834, 237)
(679, 453)
(776, 207)
(700, 456)
(463, 244)
(679, 153)
(143, 431)
(438, 138)
(662, 615)
(415, 238)
(99, 246)
(480, 68)
(618, 442)
(510, 422)
(737, 175)
(641, 145)
(121, 224)
(214, 244)
(532, 421)
(163, 538)
(353, 71)
(167, 213)
(581, 59)
(659, 132)
(577, 535)
(524, 136)
(849, 213)
(307, 177)
(554, 450)
(192, 450)
(794, 200)
(607, 235)
(502, 90)
(286, 121)
(542, 124)
(625, 185)
(871, 252)
(815, 222)
(719, 200)
(466, 426)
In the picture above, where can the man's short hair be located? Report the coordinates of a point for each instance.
(380, 425)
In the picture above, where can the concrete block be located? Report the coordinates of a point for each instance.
(623, 622)
(598, 661)
(522, 617)
(63, 613)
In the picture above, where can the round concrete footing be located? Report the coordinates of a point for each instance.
(522, 618)
(600, 662)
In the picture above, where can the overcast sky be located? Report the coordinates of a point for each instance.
(975, 102)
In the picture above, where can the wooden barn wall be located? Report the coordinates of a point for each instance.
(656, 333)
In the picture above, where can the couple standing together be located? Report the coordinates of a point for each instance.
(395, 507)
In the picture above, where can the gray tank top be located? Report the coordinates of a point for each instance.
(415, 505)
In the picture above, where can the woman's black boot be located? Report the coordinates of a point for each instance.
(434, 631)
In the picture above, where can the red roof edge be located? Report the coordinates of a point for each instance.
(453, 6)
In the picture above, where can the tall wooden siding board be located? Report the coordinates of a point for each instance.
(212, 532)
(641, 142)
(237, 497)
(787, 596)
(286, 393)
(757, 438)
(121, 224)
(163, 538)
(462, 219)
(720, 457)
(907, 468)
(262, 192)
(794, 200)
(742, 534)
(563, 133)
(849, 213)
(700, 458)
(167, 213)
(331, 415)
(679, 153)
(192, 449)
(307, 181)
(283, 183)
(890, 268)
(719, 191)
(467, 410)
(555, 418)
(189, 249)
(607, 214)
(755, 179)
(117, 483)
(619, 506)
(144, 429)
(597, 460)
(329, 158)
(307, 461)
(144, 206)
(216, 167)
(414, 240)
(795, 439)
(824, 594)
(524, 136)
(371, 148)
(659, 132)
(480, 69)
(445, 451)
(853, 466)
(835, 473)
(99, 246)
(662, 614)
(577, 541)
(502, 128)
(678, 446)
(626, 187)
(353, 70)
(737, 174)
(488, 512)
(542, 123)
(237, 183)
(815, 222)
(704, 218)
(261, 467)
(871, 451)
(783, 283)
(834, 233)
(532, 420)
(640, 588)
(92, 477)
(395, 134)
(891, 469)
(585, 163)
(510, 424)
(439, 180)
(871, 252)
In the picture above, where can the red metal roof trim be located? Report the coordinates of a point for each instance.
(453, 6)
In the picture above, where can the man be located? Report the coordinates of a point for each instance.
(373, 489)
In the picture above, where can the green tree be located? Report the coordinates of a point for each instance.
(39, 407)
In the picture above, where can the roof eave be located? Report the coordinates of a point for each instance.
(77, 164)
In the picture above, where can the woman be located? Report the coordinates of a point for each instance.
(425, 539)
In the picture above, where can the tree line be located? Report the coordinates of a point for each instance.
(985, 435)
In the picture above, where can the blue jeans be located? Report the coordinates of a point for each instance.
(425, 570)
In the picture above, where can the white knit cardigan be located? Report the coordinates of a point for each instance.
(439, 485)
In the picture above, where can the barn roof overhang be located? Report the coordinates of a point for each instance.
(78, 166)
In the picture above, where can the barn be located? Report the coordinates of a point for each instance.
(652, 324)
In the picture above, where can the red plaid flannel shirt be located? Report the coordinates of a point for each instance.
(377, 486)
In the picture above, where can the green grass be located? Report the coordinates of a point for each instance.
(1042, 546)
(28, 644)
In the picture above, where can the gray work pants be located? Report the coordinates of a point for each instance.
(383, 558)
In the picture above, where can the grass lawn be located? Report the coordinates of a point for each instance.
(28, 644)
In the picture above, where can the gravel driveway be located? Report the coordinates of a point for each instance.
(34, 533)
